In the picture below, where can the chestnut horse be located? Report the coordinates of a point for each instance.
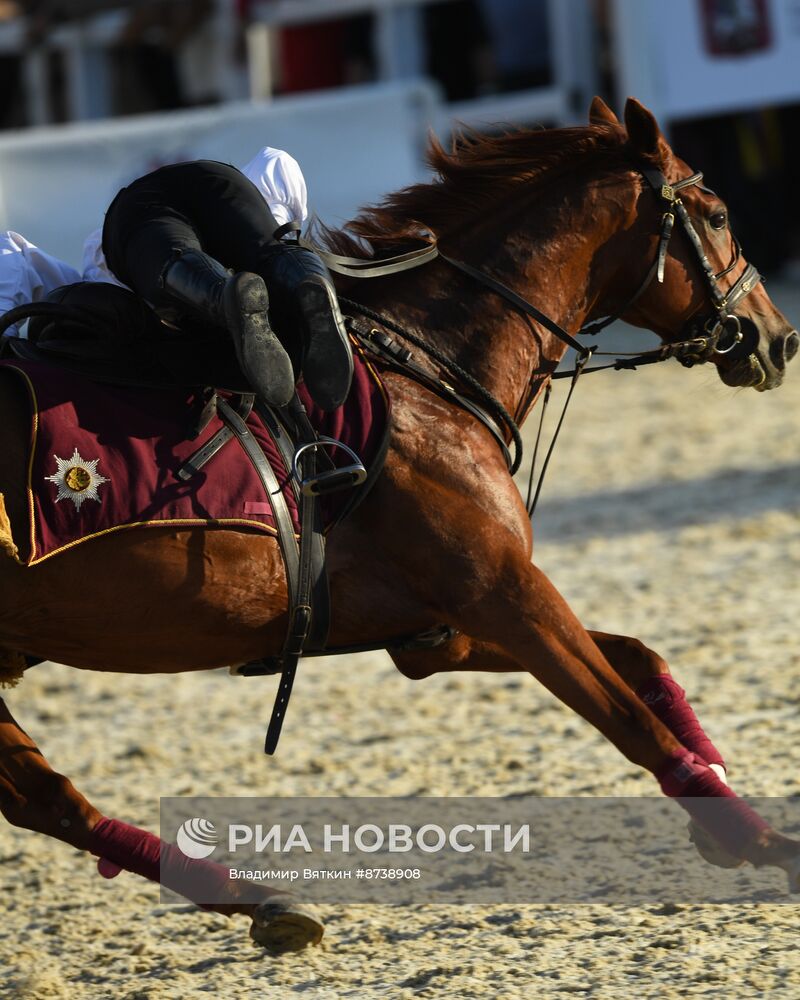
(565, 218)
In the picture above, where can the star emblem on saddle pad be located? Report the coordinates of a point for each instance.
(77, 479)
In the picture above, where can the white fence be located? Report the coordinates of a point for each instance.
(398, 43)
(354, 146)
(687, 59)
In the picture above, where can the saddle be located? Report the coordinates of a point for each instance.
(108, 334)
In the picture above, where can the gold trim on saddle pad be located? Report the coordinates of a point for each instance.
(12, 663)
(71, 466)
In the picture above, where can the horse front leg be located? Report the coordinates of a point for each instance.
(35, 797)
(642, 669)
(525, 617)
(647, 673)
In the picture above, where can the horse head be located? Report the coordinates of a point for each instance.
(700, 291)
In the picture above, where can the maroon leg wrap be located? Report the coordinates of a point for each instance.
(717, 808)
(120, 845)
(666, 699)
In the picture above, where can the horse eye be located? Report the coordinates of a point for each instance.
(719, 220)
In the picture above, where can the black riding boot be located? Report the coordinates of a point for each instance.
(302, 296)
(239, 304)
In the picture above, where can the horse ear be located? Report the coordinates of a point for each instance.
(601, 114)
(644, 133)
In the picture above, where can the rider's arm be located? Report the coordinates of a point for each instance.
(94, 265)
(27, 273)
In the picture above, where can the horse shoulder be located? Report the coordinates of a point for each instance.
(443, 517)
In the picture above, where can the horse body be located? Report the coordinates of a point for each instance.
(444, 536)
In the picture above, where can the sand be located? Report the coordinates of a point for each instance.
(672, 512)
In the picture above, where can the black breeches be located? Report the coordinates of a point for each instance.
(201, 205)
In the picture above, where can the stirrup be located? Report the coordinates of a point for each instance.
(331, 480)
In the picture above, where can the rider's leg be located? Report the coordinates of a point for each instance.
(303, 296)
(232, 223)
(240, 304)
(155, 248)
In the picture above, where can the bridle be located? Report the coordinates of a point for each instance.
(721, 330)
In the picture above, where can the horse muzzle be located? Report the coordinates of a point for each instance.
(735, 345)
(753, 364)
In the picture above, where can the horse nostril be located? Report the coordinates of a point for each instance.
(783, 349)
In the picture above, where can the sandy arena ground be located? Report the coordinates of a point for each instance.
(672, 513)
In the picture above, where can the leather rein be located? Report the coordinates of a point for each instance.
(721, 332)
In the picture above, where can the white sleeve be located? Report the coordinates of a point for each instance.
(27, 273)
(94, 264)
(278, 177)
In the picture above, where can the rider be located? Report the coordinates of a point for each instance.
(302, 290)
(170, 236)
(29, 274)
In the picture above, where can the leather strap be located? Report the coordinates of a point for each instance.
(283, 519)
(304, 573)
(301, 614)
(292, 226)
(516, 300)
(320, 622)
(400, 361)
(358, 267)
(194, 463)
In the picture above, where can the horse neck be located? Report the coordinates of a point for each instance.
(546, 255)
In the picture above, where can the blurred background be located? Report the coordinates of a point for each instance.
(96, 92)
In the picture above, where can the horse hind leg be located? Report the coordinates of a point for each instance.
(35, 797)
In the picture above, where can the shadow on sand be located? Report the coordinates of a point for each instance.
(731, 495)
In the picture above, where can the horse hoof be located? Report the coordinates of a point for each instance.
(286, 925)
(710, 850)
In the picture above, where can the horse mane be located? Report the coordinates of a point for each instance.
(479, 172)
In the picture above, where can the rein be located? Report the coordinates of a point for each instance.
(722, 332)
